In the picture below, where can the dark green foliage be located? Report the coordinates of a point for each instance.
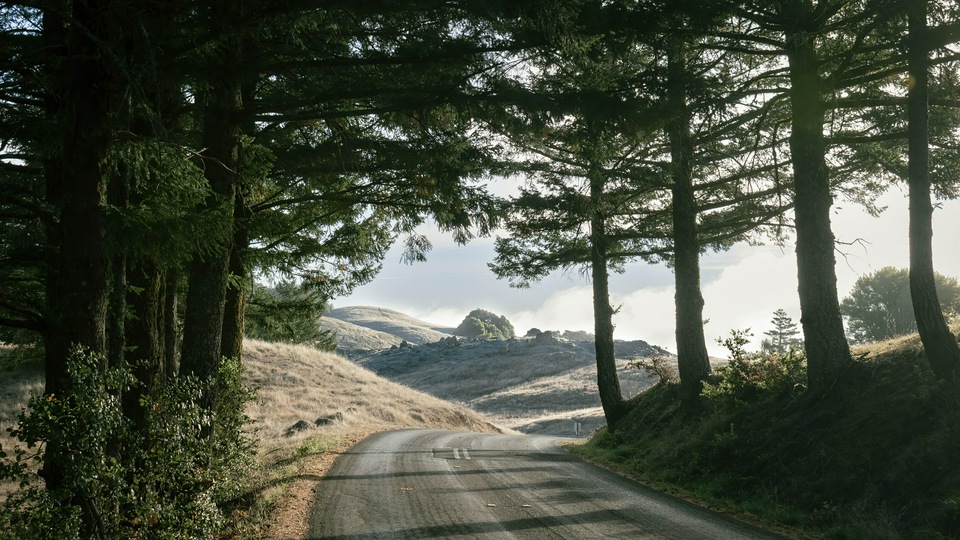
(748, 377)
(164, 224)
(481, 323)
(120, 482)
(879, 305)
(288, 313)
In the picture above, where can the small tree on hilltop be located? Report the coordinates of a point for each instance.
(783, 336)
(482, 323)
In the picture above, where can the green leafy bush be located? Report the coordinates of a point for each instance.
(485, 324)
(163, 480)
(748, 377)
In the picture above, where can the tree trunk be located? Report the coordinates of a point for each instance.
(608, 382)
(117, 311)
(209, 273)
(82, 99)
(940, 345)
(144, 343)
(171, 326)
(233, 324)
(692, 358)
(826, 346)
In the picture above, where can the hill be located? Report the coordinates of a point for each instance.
(365, 328)
(532, 385)
(327, 391)
(297, 384)
(874, 458)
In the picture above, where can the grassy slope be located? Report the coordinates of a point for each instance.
(876, 459)
(530, 385)
(391, 322)
(299, 383)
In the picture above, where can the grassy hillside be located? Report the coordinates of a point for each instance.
(530, 385)
(385, 322)
(877, 458)
(302, 384)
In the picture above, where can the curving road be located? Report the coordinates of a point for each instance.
(440, 484)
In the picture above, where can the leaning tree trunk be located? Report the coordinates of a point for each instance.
(608, 382)
(940, 345)
(826, 346)
(692, 358)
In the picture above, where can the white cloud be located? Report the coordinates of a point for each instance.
(568, 309)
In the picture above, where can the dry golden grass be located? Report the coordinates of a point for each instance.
(299, 383)
(907, 346)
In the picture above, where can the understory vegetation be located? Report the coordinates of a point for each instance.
(143, 474)
(875, 458)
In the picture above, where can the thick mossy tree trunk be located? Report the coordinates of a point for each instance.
(940, 345)
(83, 94)
(692, 358)
(608, 383)
(209, 272)
(82, 100)
(828, 354)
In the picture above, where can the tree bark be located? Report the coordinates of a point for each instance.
(940, 345)
(209, 273)
(83, 97)
(170, 328)
(608, 382)
(692, 358)
(144, 343)
(233, 321)
(826, 346)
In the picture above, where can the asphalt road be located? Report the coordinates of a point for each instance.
(439, 484)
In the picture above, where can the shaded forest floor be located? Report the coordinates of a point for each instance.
(876, 458)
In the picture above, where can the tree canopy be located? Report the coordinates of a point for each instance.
(481, 323)
(879, 306)
(158, 158)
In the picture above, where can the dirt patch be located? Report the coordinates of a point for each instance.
(291, 517)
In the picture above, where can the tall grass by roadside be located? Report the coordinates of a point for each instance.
(876, 458)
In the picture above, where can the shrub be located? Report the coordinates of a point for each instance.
(161, 481)
(656, 367)
(749, 376)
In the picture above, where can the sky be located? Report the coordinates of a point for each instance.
(742, 287)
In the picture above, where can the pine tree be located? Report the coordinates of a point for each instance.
(939, 343)
(783, 335)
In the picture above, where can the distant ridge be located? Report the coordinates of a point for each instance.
(372, 328)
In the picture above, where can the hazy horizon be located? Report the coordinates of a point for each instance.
(741, 287)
